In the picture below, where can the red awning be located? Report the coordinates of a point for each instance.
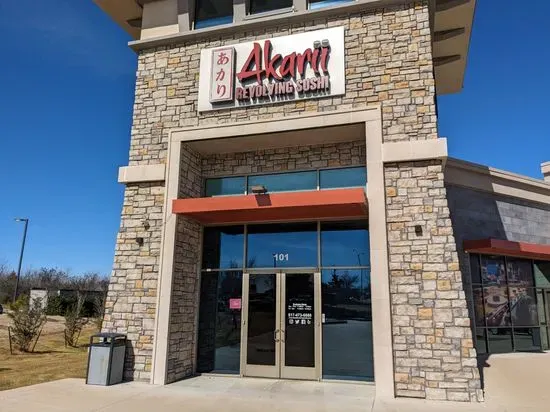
(508, 248)
(320, 204)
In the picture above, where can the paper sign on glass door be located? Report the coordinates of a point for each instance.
(235, 303)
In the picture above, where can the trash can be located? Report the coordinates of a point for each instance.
(106, 359)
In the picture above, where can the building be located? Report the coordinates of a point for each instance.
(291, 211)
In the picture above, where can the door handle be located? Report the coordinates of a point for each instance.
(275, 332)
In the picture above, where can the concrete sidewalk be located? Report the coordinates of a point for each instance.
(508, 389)
(213, 394)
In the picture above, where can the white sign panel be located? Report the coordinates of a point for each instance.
(301, 66)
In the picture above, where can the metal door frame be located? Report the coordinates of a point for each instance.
(279, 370)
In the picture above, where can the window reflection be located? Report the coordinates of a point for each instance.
(318, 4)
(219, 342)
(345, 244)
(285, 182)
(212, 13)
(347, 324)
(225, 186)
(223, 247)
(282, 245)
(344, 177)
(261, 6)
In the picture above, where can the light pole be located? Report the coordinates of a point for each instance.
(20, 256)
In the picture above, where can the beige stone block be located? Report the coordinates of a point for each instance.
(429, 275)
(444, 284)
(425, 313)
(402, 377)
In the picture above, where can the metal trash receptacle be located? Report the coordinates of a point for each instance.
(106, 359)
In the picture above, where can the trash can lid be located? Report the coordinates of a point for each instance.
(109, 335)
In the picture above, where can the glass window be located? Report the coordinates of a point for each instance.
(261, 6)
(347, 324)
(282, 245)
(225, 186)
(475, 269)
(213, 12)
(520, 272)
(262, 318)
(493, 271)
(317, 4)
(346, 177)
(479, 306)
(219, 342)
(497, 310)
(527, 339)
(500, 340)
(223, 247)
(523, 306)
(345, 244)
(542, 274)
(299, 320)
(285, 182)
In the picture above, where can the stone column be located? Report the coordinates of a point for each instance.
(434, 355)
(131, 298)
(184, 305)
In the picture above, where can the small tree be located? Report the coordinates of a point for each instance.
(74, 322)
(28, 319)
(99, 310)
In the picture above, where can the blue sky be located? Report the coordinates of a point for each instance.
(66, 103)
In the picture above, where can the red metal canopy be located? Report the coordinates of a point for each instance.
(508, 248)
(320, 204)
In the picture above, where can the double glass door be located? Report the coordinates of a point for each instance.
(281, 325)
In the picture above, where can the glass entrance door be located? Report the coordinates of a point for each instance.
(281, 325)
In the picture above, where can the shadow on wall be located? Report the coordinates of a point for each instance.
(129, 362)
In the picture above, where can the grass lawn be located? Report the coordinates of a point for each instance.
(50, 360)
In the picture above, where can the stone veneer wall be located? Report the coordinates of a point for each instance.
(284, 159)
(434, 354)
(388, 61)
(185, 286)
(131, 299)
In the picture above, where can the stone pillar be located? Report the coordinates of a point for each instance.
(131, 298)
(545, 169)
(182, 333)
(434, 355)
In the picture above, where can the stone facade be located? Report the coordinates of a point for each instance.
(434, 356)
(388, 63)
(284, 159)
(185, 282)
(131, 300)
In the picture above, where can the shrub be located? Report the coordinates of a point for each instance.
(28, 319)
(55, 306)
(74, 322)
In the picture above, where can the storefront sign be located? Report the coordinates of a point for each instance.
(302, 66)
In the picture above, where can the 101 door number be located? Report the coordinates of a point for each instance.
(280, 257)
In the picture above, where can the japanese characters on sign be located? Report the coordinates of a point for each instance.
(302, 66)
(223, 73)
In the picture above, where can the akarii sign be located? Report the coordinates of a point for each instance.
(302, 66)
